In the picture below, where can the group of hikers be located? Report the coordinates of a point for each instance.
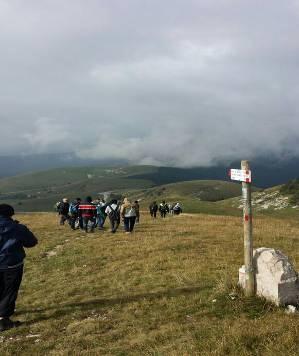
(87, 215)
(91, 214)
(164, 209)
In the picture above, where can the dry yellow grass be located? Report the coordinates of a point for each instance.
(164, 290)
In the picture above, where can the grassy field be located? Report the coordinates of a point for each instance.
(167, 289)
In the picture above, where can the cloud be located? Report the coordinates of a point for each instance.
(169, 83)
(46, 134)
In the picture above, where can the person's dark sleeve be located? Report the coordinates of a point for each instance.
(25, 236)
(137, 211)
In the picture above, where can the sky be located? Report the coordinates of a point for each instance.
(173, 82)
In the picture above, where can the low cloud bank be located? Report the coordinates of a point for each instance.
(167, 83)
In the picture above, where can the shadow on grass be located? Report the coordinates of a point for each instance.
(223, 307)
(64, 309)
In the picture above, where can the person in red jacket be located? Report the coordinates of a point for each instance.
(88, 213)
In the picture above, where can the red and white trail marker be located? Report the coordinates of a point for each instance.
(240, 175)
(244, 175)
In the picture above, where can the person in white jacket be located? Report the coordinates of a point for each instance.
(128, 212)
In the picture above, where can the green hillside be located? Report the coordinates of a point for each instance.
(279, 201)
(195, 196)
(67, 179)
(206, 190)
(40, 190)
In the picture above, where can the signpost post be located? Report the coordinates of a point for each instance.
(244, 175)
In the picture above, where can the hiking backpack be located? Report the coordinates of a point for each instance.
(57, 206)
(73, 209)
(114, 214)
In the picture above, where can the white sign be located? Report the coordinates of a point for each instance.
(240, 175)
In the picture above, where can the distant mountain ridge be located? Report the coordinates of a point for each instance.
(267, 172)
(40, 190)
(20, 164)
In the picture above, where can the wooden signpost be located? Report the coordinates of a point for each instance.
(244, 175)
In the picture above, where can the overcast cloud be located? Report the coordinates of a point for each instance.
(167, 82)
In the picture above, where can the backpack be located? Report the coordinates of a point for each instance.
(114, 214)
(163, 208)
(57, 206)
(131, 211)
(73, 209)
(101, 209)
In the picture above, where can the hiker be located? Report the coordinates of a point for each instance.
(137, 207)
(177, 209)
(13, 238)
(63, 211)
(153, 208)
(57, 206)
(88, 212)
(112, 210)
(163, 208)
(170, 208)
(128, 214)
(101, 214)
(75, 219)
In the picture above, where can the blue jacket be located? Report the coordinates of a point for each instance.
(13, 238)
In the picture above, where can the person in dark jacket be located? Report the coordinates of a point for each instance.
(13, 238)
(101, 215)
(74, 214)
(137, 207)
(88, 213)
(63, 211)
(163, 208)
(153, 208)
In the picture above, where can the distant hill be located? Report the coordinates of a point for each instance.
(194, 196)
(40, 190)
(200, 190)
(267, 172)
(78, 179)
(281, 200)
(20, 164)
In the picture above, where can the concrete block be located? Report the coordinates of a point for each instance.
(275, 277)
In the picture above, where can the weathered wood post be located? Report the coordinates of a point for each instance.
(248, 241)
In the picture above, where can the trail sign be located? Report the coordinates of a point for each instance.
(241, 175)
(244, 175)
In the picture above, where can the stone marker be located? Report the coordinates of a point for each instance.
(275, 277)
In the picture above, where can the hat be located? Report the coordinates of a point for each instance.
(6, 210)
